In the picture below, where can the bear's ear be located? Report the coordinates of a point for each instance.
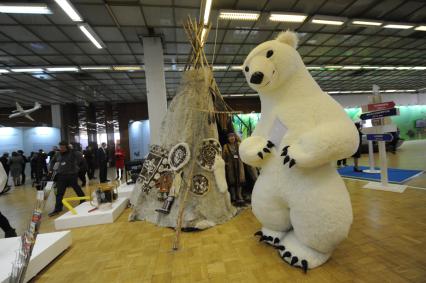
(288, 37)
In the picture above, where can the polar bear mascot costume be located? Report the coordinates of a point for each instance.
(299, 198)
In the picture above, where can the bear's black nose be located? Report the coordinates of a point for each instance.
(256, 78)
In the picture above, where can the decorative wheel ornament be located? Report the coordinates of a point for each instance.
(179, 156)
(200, 185)
(207, 153)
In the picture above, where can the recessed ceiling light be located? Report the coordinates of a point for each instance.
(421, 28)
(4, 71)
(27, 70)
(23, 8)
(236, 68)
(327, 20)
(351, 67)
(366, 23)
(287, 17)
(238, 15)
(419, 68)
(127, 68)
(370, 67)
(333, 67)
(403, 68)
(220, 68)
(95, 68)
(91, 35)
(62, 69)
(386, 68)
(398, 26)
(69, 10)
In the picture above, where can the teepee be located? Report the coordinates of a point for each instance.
(182, 183)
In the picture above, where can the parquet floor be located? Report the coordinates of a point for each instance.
(387, 243)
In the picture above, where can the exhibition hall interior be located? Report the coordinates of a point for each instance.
(212, 141)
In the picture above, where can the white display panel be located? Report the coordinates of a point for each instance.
(11, 139)
(139, 139)
(40, 138)
(28, 139)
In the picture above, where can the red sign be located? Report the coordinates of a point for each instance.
(378, 106)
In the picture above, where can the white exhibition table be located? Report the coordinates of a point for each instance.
(86, 218)
(47, 247)
(125, 190)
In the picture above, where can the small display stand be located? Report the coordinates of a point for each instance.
(86, 216)
(126, 191)
(47, 247)
(379, 112)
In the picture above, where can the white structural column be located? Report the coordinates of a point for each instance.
(155, 84)
(56, 116)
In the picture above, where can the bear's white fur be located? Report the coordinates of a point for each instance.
(305, 210)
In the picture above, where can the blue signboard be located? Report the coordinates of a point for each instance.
(380, 137)
(379, 114)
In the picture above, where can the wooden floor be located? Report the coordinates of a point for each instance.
(387, 243)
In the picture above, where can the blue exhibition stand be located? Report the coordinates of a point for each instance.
(396, 176)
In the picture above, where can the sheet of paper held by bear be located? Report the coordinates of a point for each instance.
(277, 132)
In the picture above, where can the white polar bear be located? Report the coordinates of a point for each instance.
(299, 198)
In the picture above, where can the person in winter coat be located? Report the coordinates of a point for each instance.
(16, 163)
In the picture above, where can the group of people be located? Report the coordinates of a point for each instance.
(15, 166)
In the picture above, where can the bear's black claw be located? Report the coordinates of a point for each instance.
(266, 150)
(276, 241)
(294, 260)
(281, 248)
(286, 159)
(258, 233)
(304, 265)
(292, 163)
(270, 144)
(269, 238)
(260, 155)
(286, 254)
(262, 238)
(285, 150)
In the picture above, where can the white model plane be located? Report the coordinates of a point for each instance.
(20, 112)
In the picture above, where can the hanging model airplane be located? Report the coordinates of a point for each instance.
(20, 112)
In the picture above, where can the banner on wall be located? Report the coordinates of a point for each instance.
(28, 139)
(139, 139)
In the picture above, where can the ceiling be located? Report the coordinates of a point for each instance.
(54, 40)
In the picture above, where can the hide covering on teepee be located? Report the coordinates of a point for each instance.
(182, 183)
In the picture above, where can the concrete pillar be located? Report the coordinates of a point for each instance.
(56, 116)
(155, 84)
(70, 124)
(91, 124)
(109, 128)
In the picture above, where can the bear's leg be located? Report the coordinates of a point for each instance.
(297, 254)
(270, 237)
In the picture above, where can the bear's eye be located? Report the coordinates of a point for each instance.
(246, 69)
(269, 53)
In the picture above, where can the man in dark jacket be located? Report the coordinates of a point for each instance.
(4, 159)
(102, 155)
(66, 173)
(89, 155)
(21, 153)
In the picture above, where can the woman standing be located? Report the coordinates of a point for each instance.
(16, 164)
(119, 161)
(235, 175)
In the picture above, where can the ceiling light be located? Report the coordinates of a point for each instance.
(421, 28)
(62, 69)
(96, 68)
(370, 67)
(366, 23)
(313, 67)
(386, 68)
(220, 68)
(236, 68)
(326, 20)
(403, 68)
(287, 17)
(238, 15)
(203, 35)
(419, 68)
(22, 8)
(69, 10)
(91, 35)
(127, 68)
(207, 10)
(27, 70)
(351, 67)
(4, 71)
(333, 67)
(398, 26)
